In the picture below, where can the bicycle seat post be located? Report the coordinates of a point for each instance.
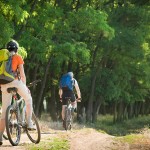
(69, 104)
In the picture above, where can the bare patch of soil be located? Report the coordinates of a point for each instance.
(89, 139)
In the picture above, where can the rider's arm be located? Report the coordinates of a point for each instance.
(60, 93)
(22, 73)
(17, 63)
(77, 89)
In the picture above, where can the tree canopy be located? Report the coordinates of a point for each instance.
(105, 43)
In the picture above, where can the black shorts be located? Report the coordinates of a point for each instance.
(68, 95)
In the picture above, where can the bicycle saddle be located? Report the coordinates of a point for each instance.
(67, 97)
(13, 89)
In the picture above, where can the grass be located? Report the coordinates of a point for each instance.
(135, 125)
(132, 138)
(134, 132)
(50, 144)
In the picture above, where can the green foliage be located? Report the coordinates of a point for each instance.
(74, 52)
(85, 83)
(55, 144)
(124, 76)
(6, 31)
(126, 127)
(83, 36)
(91, 22)
(22, 52)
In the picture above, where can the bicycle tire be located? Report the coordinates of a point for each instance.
(11, 121)
(5, 137)
(67, 119)
(30, 133)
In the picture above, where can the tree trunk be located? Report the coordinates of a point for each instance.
(52, 104)
(130, 111)
(125, 112)
(42, 89)
(147, 107)
(120, 112)
(33, 89)
(115, 112)
(90, 101)
(97, 105)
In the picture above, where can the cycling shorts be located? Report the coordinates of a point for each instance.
(68, 95)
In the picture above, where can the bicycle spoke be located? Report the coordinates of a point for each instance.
(12, 127)
(34, 135)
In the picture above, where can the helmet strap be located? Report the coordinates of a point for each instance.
(12, 53)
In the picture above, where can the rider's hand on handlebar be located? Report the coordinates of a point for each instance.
(78, 100)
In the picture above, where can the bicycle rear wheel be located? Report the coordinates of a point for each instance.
(34, 135)
(68, 119)
(12, 127)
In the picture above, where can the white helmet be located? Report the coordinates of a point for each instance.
(71, 74)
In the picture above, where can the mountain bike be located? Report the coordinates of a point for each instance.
(16, 122)
(69, 113)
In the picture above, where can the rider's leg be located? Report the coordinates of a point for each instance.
(63, 114)
(64, 104)
(73, 102)
(63, 111)
(24, 113)
(2, 127)
(24, 92)
(6, 101)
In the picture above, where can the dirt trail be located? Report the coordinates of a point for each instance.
(79, 139)
(24, 141)
(90, 140)
(86, 139)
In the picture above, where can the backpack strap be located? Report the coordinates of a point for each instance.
(18, 74)
(73, 81)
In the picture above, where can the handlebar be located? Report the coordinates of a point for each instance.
(33, 83)
(78, 100)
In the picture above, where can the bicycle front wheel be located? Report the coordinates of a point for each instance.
(34, 135)
(12, 127)
(5, 137)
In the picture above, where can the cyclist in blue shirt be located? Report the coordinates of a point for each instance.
(66, 92)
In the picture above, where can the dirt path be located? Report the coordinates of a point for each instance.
(79, 139)
(24, 141)
(89, 139)
(7, 146)
(86, 139)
